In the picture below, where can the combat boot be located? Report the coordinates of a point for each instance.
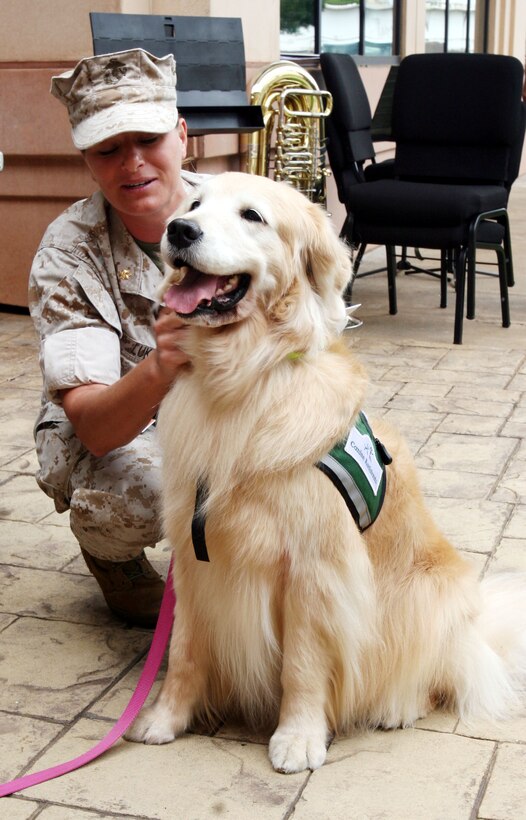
(132, 589)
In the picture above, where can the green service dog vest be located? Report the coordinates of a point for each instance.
(356, 467)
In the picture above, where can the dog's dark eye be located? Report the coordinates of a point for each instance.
(195, 204)
(252, 215)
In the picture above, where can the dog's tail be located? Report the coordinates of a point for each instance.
(494, 656)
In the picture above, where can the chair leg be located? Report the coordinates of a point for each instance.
(470, 311)
(507, 250)
(359, 256)
(443, 279)
(403, 264)
(503, 284)
(390, 252)
(346, 229)
(460, 281)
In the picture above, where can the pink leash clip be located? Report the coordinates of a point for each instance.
(142, 690)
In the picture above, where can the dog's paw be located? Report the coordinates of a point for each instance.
(155, 725)
(291, 752)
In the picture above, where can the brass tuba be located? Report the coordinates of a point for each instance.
(292, 145)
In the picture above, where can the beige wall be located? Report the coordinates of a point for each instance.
(45, 21)
(53, 30)
(43, 172)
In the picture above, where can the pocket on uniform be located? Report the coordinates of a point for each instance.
(58, 450)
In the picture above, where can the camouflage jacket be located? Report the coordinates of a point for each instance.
(91, 293)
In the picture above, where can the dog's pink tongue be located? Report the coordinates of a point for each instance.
(185, 297)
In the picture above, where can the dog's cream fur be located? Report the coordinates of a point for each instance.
(300, 622)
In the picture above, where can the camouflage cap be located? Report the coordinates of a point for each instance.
(113, 93)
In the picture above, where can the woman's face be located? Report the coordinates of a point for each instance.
(139, 174)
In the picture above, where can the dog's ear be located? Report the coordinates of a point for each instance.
(328, 260)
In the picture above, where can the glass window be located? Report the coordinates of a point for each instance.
(340, 27)
(297, 29)
(378, 27)
(450, 25)
(352, 26)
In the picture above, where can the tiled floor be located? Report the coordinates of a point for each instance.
(67, 669)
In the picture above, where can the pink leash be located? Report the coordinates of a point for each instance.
(148, 675)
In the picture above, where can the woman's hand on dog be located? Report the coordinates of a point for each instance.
(108, 416)
(169, 355)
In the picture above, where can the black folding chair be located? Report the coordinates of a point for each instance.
(458, 126)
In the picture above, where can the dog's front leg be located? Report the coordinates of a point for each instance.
(329, 627)
(182, 689)
(300, 741)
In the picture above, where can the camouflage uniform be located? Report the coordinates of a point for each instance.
(91, 295)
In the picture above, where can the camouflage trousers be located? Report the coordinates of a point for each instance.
(113, 500)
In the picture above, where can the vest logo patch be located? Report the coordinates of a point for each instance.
(360, 447)
(356, 467)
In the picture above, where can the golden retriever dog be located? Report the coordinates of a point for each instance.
(298, 620)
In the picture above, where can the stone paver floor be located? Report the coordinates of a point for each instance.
(67, 668)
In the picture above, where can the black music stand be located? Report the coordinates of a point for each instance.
(381, 125)
(210, 57)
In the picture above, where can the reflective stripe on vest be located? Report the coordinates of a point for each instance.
(356, 467)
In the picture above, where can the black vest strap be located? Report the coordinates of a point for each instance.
(198, 524)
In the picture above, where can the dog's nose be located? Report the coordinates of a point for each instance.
(183, 232)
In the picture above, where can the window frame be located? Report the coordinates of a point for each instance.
(485, 27)
(361, 56)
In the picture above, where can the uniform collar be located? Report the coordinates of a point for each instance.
(135, 271)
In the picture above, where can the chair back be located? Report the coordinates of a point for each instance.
(349, 141)
(457, 117)
(516, 150)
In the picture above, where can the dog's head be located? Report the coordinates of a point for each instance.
(244, 243)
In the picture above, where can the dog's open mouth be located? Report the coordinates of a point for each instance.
(199, 293)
